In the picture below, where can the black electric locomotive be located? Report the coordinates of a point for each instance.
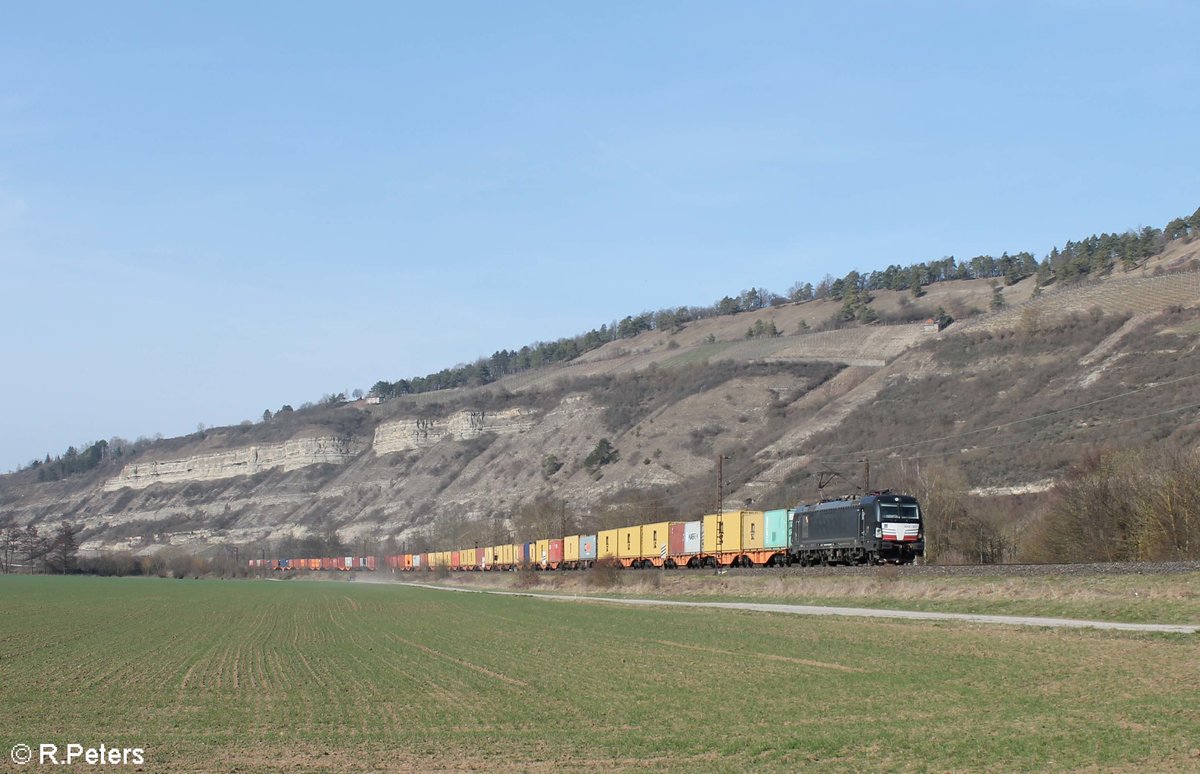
(879, 527)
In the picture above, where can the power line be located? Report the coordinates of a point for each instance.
(1022, 441)
(1003, 425)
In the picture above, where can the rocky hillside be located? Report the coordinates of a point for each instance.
(1007, 397)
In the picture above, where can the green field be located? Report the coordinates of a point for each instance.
(258, 676)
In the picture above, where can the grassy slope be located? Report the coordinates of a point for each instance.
(222, 676)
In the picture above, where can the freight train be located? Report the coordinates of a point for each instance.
(873, 529)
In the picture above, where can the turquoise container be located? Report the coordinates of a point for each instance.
(777, 529)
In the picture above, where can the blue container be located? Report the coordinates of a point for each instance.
(587, 547)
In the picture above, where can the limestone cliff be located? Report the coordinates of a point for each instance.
(289, 455)
(412, 434)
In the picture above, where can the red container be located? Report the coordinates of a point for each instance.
(406, 561)
(454, 560)
(555, 555)
(371, 563)
(481, 558)
(675, 539)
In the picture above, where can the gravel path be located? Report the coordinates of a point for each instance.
(856, 612)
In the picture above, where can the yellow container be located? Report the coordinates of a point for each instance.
(629, 542)
(753, 530)
(606, 544)
(571, 548)
(723, 532)
(654, 539)
(502, 555)
(541, 552)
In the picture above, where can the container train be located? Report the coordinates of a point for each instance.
(873, 529)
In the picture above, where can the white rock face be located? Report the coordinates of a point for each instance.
(414, 434)
(289, 455)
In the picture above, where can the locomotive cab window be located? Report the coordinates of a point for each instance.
(899, 512)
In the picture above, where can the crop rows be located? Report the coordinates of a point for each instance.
(249, 676)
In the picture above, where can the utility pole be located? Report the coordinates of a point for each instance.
(720, 480)
(720, 505)
(866, 474)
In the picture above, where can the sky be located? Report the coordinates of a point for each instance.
(211, 209)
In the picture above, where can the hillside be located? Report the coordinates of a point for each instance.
(994, 396)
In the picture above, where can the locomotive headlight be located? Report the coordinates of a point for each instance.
(878, 532)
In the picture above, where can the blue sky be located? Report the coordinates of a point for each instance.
(209, 209)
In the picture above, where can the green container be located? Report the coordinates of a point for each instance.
(777, 532)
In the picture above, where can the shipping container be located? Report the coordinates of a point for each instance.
(556, 552)
(692, 531)
(722, 532)
(454, 558)
(778, 528)
(654, 540)
(371, 562)
(482, 557)
(587, 548)
(606, 544)
(528, 553)
(675, 539)
(541, 554)
(629, 542)
(408, 561)
(752, 530)
(571, 549)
